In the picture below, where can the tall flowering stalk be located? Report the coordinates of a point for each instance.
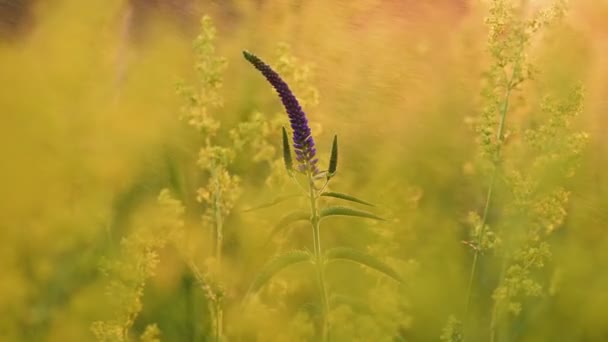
(306, 164)
(517, 167)
(222, 190)
(303, 143)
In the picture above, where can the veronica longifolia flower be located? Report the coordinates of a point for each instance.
(303, 142)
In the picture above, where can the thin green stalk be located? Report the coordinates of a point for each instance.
(478, 242)
(484, 220)
(206, 287)
(219, 222)
(219, 238)
(319, 263)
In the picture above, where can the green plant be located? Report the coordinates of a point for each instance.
(525, 159)
(216, 159)
(136, 263)
(315, 186)
(219, 195)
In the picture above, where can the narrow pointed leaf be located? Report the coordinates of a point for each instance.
(287, 152)
(276, 265)
(333, 159)
(290, 218)
(346, 197)
(344, 211)
(361, 258)
(275, 201)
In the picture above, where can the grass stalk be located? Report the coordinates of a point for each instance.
(484, 220)
(219, 240)
(207, 290)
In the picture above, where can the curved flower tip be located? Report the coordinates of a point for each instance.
(303, 142)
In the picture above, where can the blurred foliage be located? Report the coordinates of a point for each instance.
(90, 135)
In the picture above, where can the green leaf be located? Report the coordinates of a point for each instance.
(358, 257)
(344, 211)
(333, 159)
(276, 265)
(290, 218)
(346, 197)
(275, 201)
(287, 152)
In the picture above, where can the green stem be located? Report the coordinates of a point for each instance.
(484, 220)
(319, 262)
(205, 285)
(219, 240)
(219, 222)
(478, 242)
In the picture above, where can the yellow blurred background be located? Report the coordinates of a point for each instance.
(90, 134)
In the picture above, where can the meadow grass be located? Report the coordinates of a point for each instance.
(156, 189)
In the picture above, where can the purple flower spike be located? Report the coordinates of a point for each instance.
(303, 142)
